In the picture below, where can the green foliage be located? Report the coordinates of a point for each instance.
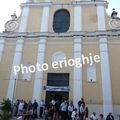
(6, 105)
(5, 109)
(4, 115)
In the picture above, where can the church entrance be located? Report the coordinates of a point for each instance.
(57, 96)
(57, 87)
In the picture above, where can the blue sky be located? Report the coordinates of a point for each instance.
(7, 7)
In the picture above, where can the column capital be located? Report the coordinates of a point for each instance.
(103, 39)
(20, 40)
(1, 38)
(77, 38)
(78, 41)
(2, 41)
(42, 39)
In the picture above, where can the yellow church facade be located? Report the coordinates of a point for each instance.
(52, 30)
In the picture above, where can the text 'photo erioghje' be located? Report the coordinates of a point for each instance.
(77, 62)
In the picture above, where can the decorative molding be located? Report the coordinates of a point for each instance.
(66, 43)
(48, 3)
(57, 56)
(11, 25)
(114, 23)
(104, 3)
(90, 35)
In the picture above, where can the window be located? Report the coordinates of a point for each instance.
(61, 22)
(57, 56)
(58, 79)
(27, 76)
(91, 73)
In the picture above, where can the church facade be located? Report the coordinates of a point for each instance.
(53, 30)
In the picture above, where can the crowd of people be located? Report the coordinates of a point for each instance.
(25, 111)
(55, 110)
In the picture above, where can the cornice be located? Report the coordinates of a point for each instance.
(73, 3)
(51, 35)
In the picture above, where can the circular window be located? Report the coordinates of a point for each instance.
(57, 56)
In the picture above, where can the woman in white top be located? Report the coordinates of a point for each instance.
(74, 115)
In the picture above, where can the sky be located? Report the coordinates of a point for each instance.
(7, 7)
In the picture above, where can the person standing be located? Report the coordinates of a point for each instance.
(56, 110)
(110, 116)
(46, 113)
(29, 106)
(93, 116)
(16, 105)
(42, 106)
(82, 111)
(25, 106)
(86, 112)
(101, 117)
(51, 111)
(35, 106)
(53, 102)
(63, 108)
(81, 102)
(70, 110)
(20, 107)
(74, 115)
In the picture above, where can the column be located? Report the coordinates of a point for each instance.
(16, 61)
(2, 42)
(77, 89)
(18, 54)
(106, 81)
(105, 66)
(37, 90)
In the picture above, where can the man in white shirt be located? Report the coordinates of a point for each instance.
(20, 106)
(70, 110)
(42, 106)
(63, 108)
(82, 111)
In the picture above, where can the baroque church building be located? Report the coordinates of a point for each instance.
(52, 30)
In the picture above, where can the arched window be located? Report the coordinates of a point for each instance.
(61, 22)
